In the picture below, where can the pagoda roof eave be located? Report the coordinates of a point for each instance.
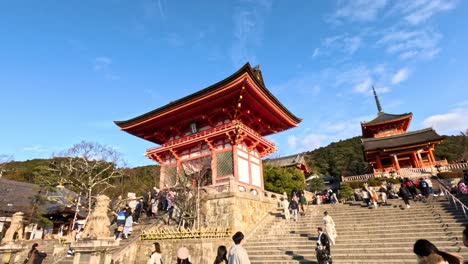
(384, 118)
(406, 139)
(126, 124)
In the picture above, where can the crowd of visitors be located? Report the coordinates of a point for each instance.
(407, 190)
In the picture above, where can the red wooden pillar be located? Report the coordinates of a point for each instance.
(396, 165)
(430, 154)
(414, 159)
(379, 163)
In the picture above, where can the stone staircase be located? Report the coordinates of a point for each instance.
(382, 235)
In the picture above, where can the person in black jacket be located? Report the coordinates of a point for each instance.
(35, 256)
(405, 194)
(323, 248)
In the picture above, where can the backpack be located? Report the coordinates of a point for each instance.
(409, 184)
(423, 184)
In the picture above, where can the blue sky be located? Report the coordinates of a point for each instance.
(70, 68)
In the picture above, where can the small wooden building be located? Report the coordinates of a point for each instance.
(296, 161)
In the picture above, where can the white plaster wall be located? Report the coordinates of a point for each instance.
(256, 178)
(243, 169)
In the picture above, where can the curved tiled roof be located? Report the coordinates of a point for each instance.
(255, 73)
(383, 117)
(400, 140)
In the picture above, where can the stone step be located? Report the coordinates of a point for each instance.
(387, 236)
(340, 244)
(337, 251)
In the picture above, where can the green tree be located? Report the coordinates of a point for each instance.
(281, 180)
(451, 148)
(316, 184)
(345, 192)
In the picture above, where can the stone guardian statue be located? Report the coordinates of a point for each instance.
(98, 223)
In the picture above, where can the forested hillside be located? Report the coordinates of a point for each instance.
(339, 158)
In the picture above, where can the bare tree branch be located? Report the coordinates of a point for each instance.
(87, 167)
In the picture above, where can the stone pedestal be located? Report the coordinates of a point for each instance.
(8, 252)
(98, 251)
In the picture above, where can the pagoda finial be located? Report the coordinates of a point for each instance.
(377, 101)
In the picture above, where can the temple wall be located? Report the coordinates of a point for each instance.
(238, 210)
(241, 208)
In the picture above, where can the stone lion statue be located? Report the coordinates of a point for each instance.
(98, 223)
(16, 227)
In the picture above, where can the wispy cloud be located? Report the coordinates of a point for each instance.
(343, 43)
(102, 65)
(248, 30)
(316, 52)
(304, 84)
(323, 134)
(450, 123)
(400, 76)
(35, 148)
(153, 9)
(411, 43)
(360, 79)
(418, 11)
(357, 10)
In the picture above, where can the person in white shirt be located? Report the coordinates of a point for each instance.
(237, 253)
(156, 257)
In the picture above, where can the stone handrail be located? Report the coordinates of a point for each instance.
(452, 199)
(452, 167)
(408, 172)
(233, 186)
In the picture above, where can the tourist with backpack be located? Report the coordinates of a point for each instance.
(302, 202)
(294, 206)
(424, 187)
(411, 187)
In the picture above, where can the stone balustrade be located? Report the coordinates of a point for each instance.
(408, 172)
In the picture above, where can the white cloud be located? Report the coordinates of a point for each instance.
(248, 31)
(400, 76)
(379, 69)
(153, 8)
(411, 43)
(357, 10)
(316, 53)
(292, 142)
(382, 89)
(35, 148)
(305, 84)
(451, 123)
(363, 86)
(343, 43)
(418, 11)
(101, 63)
